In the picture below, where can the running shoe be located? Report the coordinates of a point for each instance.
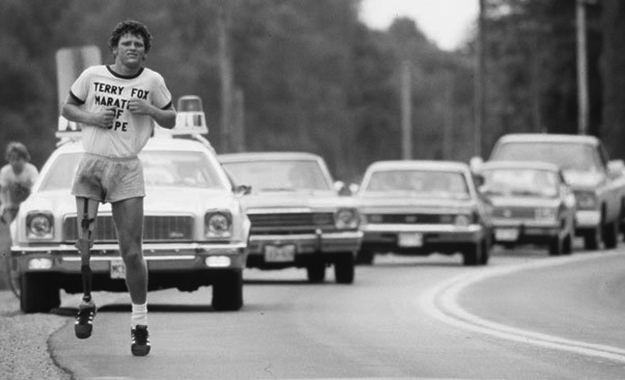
(140, 341)
(84, 320)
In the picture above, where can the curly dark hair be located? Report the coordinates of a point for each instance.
(133, 27)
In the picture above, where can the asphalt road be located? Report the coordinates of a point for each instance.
(524, 316)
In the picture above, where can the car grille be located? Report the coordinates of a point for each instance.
(291, 223)
(155, 228)
(514, 213)
(410, 218)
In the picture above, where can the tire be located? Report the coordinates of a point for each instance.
(567, 248)
(472, 255)
(39, 292)
(610, 234)
(592, 239)
(344, 268)
(556, 246)
(486, 247)
(228, 291)
(316, 271)
(365, 257)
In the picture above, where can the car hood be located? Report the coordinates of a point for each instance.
(295, 199)
(507, 201)
(584, 180)
(157, 200)
(403, 203)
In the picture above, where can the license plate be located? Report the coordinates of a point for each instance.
(117, 269)
(506, 234)
(279, 253)
(410, 240)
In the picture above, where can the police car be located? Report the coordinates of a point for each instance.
(195, 231)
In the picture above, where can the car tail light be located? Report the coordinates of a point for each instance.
(40, 226)
(346, 218)
(218, 225)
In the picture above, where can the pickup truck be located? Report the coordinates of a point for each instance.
(597, 182)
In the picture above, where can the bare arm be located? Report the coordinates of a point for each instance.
(166, 118)
(73, 111)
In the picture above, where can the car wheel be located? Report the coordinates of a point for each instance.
(344, 270)
(486, 247)
(610, 234)
(567, 248)
(471, 255)
(556, 246)
(228, 291)
(365, 257)
(39, 293)
(592, 239)
(316, 271)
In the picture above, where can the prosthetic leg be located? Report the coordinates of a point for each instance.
(87, 309)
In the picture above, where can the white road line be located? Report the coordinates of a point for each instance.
(441, 303)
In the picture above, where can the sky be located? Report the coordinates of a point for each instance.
(446, 22)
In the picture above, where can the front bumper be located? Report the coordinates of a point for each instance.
(302, 248)
(524, 232)
(587, 219)
(422, 238)
(173, 257)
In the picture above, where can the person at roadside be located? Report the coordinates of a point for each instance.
(117, 106)
(16, 180)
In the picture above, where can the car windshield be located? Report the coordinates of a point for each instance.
(160, 168)
(279, 175)
(520, 182)
(568, 156)
(443, 184)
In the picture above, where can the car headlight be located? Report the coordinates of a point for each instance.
(462, 220)
(218, 225)
(346, 218)
(545, 214)
(39, 226)
(586, 200)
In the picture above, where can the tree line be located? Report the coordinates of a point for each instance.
(309, 75)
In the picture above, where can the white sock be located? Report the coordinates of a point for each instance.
(139, 315)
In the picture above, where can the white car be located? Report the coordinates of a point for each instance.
(298, 218)
(531, 204)
(416, 207)
(195, 231)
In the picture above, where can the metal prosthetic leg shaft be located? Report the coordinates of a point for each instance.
(84, 245)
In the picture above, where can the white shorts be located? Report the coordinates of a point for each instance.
(109, 179)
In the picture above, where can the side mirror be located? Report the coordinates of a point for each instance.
(475, 163)
(616, 168)
(242, 189)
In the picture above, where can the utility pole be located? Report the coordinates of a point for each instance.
(225, 70)
(448, 141)
(582, 68)
(480, 86)
(406, 111)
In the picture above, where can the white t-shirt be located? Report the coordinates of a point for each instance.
(14, 189)
(99, 87)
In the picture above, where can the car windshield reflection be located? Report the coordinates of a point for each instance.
(418, 184)
(568, 156)
(161, 168)
(520, 182)
(278, 175)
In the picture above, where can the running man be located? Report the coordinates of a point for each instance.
(117, 106)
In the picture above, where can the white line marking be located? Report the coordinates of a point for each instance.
(441, 303)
